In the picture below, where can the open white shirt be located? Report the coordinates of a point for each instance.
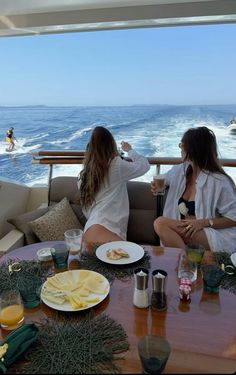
(215, 197)
(111, 206)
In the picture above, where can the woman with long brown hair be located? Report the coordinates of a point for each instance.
(102, 186)
(201, 202)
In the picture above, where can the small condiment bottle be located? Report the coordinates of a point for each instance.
(158, 299)
(184, 292)
(185, 281)
(140, 297)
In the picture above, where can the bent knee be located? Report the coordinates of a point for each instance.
(159, 224)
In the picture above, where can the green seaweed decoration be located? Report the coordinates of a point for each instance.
(69, 344)
(8, 280)
(111, 271)
(229, 281)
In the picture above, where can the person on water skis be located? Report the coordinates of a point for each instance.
(10, 139)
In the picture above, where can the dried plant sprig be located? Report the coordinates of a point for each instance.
(9, 280)
(111, 271)
(70, 344)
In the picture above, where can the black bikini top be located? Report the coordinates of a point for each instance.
(190, 205)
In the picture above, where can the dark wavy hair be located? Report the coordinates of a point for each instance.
(100, 151)
(200, 147)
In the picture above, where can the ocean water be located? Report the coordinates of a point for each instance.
(153, 130)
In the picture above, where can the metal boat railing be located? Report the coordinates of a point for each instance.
(54, 157)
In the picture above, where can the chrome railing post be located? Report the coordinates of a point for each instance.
(158, 168)
(49, 181)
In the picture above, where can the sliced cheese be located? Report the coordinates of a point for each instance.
(75, 289)
(92, 300)
(94, 286)
(82, 275)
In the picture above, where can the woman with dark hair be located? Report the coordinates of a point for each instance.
(102, 186)
(201, 203)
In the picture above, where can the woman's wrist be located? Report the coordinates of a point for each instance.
(208, 223)
(205, 223)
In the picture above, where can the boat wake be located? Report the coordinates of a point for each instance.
(20, 147)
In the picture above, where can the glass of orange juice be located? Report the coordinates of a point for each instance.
(11, 310)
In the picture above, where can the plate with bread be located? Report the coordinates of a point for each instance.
(119, 252)
(75, 290)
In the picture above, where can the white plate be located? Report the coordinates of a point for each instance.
(233, 259)
(66, 306)
(135, 252)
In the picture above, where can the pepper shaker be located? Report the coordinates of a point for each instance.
(140, 297)
(158, 299)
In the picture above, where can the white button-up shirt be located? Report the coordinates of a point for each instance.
(111, 206)
(215, 197)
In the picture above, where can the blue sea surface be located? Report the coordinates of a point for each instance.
(153, 130)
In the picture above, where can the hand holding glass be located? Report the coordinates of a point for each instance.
(159, 184)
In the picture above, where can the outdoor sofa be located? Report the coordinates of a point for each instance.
(50, 222)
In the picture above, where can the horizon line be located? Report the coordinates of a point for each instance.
(109, 105)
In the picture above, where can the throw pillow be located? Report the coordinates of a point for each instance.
(55, 222)
(21, 223)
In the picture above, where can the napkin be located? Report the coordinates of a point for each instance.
(18, 341)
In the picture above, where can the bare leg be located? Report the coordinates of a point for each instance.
(171, 235)
(99, 234)
(169, 232)
(200, 238)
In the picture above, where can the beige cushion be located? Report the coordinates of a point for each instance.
(143, 205)
(55, 222)
(21, 222)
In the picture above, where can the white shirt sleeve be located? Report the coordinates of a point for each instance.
(226, 204)
(135, 168)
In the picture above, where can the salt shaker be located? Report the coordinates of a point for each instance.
(158, 299)
(140, 297)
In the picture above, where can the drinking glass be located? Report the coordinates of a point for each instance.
(29, 286)
(60, 255)
(195, 253)
(73, 239)
(187, 268)
(159, 182)
(11, 310)
(154, 352)
(212, 276)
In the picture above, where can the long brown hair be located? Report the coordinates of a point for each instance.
(100, 151)
(200, 147)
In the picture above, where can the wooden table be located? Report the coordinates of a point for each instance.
(202, 333)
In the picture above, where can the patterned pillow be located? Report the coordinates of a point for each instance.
(55, 222)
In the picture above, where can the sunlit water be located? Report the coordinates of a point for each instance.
(152, 131)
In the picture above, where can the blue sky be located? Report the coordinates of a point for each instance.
(171, 65)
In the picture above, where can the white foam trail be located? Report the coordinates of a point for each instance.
(77, 134)
(20, 147)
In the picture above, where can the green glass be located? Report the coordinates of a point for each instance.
(29, 286)
(154, 352)
(194, 253)
(212, 276)
(60, 255)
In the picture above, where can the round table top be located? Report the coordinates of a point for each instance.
(201, 333)
(30, 251)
